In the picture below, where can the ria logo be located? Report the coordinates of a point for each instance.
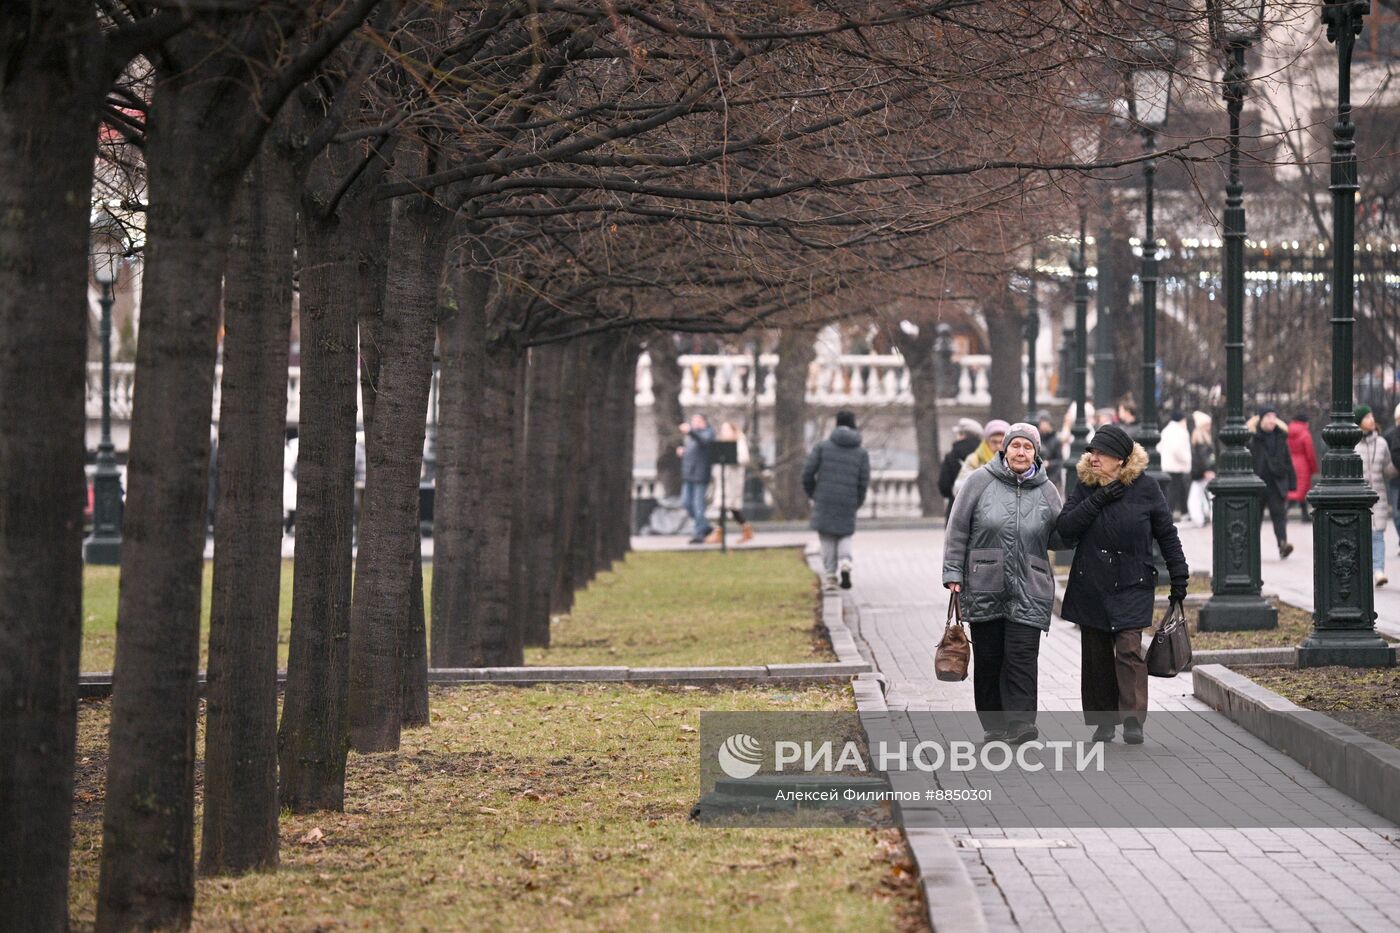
(740, 756)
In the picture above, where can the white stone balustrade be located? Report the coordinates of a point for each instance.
(854, 380)
(892, 494)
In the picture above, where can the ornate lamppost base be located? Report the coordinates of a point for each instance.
(1237, 614)
(1236, 604)
(102, 551)
(1344, 616)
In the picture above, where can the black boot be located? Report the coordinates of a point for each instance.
(1132, 731)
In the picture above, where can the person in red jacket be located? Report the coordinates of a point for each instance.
(1304, 454)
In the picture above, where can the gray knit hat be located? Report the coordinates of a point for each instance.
(1021, 429)
(969, 426)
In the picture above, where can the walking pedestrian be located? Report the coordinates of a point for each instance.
(1304, 456)
(695, 472)
(967, 437)
(992, 437)
(995, 561)
(1274, 465)
(290, 450)
(1051, 451)
(836, 478)
(1202, 470)
(730, 477)
(1378, 470)
(1392, 440)
(1127, 416)
(1175, 450)
(1112, 518)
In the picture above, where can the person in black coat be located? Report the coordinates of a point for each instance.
(967, 436)
(1113, 517)
(836, 478)
(1274, 464)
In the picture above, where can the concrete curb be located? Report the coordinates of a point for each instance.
(98, 684)
(950, 898)
(1285, 656)
(1364, 768)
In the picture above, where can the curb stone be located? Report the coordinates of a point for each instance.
(1364, 768)
(951, 900)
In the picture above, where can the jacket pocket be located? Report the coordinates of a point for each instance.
(1041, 582)
(987, 570)
(1134, 572)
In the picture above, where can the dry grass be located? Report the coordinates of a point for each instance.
(555, 808)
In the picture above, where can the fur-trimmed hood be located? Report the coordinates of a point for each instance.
(1135, 466)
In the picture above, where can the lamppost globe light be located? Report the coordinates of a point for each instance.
(1151, 97)
(1086, 139)
(1235, 21)
(104, 265)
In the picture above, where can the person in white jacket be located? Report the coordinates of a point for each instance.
(733, 483)
(1175, 450)
(1378, 470)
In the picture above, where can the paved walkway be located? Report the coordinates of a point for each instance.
(1289, 878)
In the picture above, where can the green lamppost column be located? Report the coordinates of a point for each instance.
(1080, 431)
(1344, 609)
(1032, 337)
(1235, 601)
(104, 545)
(1148, 106)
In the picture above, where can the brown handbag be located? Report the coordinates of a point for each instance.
(954, 650)
(1170, 651)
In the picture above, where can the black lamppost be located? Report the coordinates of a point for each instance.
(1344, 606)
(1086, 143)
(1032, 337)
(1235, 601)
(105, 544)
(1149, 104)
(755, 502)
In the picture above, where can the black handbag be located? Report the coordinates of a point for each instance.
(1170, 651)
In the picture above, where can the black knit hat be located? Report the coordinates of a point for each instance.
(1112, 440)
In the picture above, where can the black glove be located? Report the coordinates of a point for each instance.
(1178, 593)
(1110, 493)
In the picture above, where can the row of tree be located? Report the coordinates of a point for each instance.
(537, 189)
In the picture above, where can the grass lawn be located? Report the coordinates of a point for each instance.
(657, 609)
(1367, 699)
(667, 608)
(551, 807)
(1294, 625)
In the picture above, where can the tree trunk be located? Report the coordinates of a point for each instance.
(389, 518)
(520, 509)
(492, 638)
(796, 351)
(147, 876)
(666, 409)
(623, 457)
(547, 369)
(240, 777)
(335, 285)
(1006, 341)
(46, 159)
(923, 385)
(454, 531)
(414, 687)
(572, 464)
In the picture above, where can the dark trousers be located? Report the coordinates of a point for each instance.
(1005, 658)
(1277, 505)
(1113, 675)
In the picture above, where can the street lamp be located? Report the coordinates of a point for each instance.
(1344, 601)
(104, 546)
(1032, 337)
(755, 500)
(1149, 103)
(1236, 602)
(1086, 142)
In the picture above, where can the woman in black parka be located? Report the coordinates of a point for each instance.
(1113, 516)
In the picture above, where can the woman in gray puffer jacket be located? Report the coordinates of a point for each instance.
(995, 560)
(836, 478)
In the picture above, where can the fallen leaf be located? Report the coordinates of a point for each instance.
(314, 836)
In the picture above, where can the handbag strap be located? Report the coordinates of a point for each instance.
(954, 611)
